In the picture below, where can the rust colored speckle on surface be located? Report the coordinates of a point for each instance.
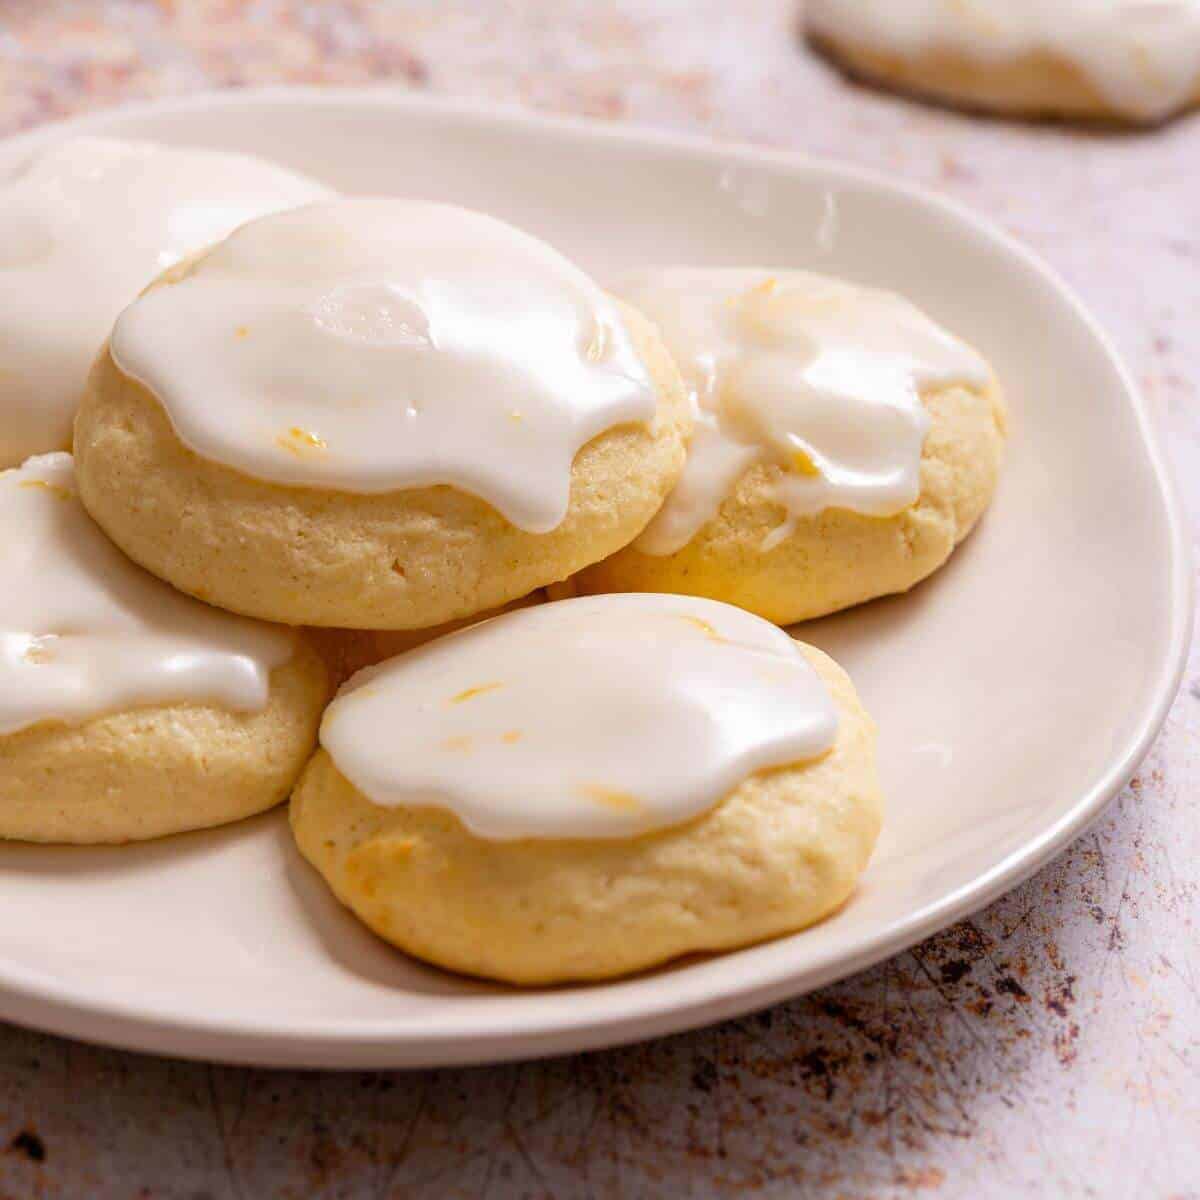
(28, 1145)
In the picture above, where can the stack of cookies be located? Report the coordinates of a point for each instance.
(387, 507)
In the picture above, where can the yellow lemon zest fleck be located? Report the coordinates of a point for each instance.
(461, 744)
(704, 627)
(515, 414)
(55, 489)
(613, 798)
(296, 441)
(472, 692)
(241, 331)
(513, 735)
(802, 463)
(761, 290)
(597, 346)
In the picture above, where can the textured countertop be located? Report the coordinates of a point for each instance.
(1050, 1046)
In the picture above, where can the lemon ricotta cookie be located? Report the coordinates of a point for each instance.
(128, 710)
(1133, 61)
(377, 414)
(84, 227)
(593, 786)
(844, 444)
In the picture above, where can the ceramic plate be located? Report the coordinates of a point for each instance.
(1015, 692)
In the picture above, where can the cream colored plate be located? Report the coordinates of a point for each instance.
(1015, 692)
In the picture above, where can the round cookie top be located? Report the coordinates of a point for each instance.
(1143, 56)
(603, 717)
(376, 344)
(83, 228)
(821, 377)
(83, 631)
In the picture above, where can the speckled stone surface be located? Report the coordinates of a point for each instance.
(1048, 1047)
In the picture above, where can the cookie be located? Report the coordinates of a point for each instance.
(1107, 60)
(128, 710)
(844, 444)
(591, 787)
(377, 414)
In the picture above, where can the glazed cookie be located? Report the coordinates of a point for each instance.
(83, 228)
(377, 414)
(593, 786)
(844, 444)
(128, 710)
(1116, 60)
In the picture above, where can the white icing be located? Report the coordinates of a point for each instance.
(820, 377)
(375, 344)
(1143, 56)
(603, 717)
(83, 228)
(84, 632)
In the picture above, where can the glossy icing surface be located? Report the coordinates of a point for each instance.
(601, 717)
(1142, 55)
(376, 344)
(820, 377)
(84, 632)
(83, 228)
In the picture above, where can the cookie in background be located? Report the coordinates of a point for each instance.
(1124, 61)
(84, 227)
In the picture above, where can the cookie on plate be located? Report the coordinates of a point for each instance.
(128, 710)
(844, 444)
(377, 414)
(1106, 60)
(84, 227)
(589, 787)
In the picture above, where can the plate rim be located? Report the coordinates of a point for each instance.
(49, 1004)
